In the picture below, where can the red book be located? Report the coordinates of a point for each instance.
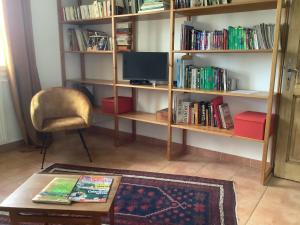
(215, 104)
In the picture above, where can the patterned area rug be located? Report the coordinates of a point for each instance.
(147, 198)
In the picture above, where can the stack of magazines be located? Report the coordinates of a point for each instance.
(85, 189)
(154, 5)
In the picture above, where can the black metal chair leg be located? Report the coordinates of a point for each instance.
(44, 150)
(44, 136)
(84, 145)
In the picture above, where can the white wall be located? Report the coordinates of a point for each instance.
(251, 69)
(9, 128)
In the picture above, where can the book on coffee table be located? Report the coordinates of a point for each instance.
(91, 189)
(57, 191)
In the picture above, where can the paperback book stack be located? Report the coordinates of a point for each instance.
(203, 77)
(234, 38)
(124, 36)
(99, 9)
(197, 3)
(88, 40)
(154, 5)
(212, 113)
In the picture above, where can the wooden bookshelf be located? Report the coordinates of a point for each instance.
(103, 20)
(89, 52)
(224, 51)
(212, 130)
(155, 15)
(256, 95)
(148, 87)
(143, 117)
(92, 81)
(236, 6)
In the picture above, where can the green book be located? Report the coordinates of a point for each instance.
(57, 191)
(210, 78)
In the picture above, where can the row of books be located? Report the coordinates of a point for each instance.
(99, 9)
(66, 190)
(234, 38)
(198, 3)
(140, 6)
(124, 36)
(88, 40)
(212, 113)
(204, 77)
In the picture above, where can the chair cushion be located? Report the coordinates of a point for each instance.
(68, 123)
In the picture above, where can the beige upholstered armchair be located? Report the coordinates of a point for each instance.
(59, 109)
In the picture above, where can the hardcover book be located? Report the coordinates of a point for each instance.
(91, 189)
(226, 118)
(57, 191)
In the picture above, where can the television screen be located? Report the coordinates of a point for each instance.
(145, 66)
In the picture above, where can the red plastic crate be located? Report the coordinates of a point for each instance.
(125, 104)
(251, 125)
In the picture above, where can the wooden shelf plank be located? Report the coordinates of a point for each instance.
(103, 20)
(224, 51)
(92, 81)
(256, 95)
(235, 6)
(143, 117)
(149, 87)
(89, 52)
(154, 15)
(212, 130)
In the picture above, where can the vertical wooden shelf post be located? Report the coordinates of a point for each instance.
(61, 43)
(170, 86)
(266, 173)
(115, 73)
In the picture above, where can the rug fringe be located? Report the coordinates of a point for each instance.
(236, 202)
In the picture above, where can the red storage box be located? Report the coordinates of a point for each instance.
(125, 104)
(251, 125)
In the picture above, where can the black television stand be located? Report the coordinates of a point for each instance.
(140, 82)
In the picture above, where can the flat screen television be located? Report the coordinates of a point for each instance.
(148, 66)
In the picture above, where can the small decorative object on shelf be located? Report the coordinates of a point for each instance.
(213, 113)
(98, 9)
(197, 3)
(124, 36)
(234, 38)
(162, 115)
(88, 40)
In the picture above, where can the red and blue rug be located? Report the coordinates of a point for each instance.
(147, 198)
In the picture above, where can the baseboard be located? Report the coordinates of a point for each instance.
(12, 145)
(224, 157)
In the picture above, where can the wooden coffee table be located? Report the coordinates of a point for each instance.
(21, 208)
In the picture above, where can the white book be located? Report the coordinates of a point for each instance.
(67, 13)
(91, 11)
(100, 9)
(194, 78)
(82, 12)
(64, 12)
(104, 8)
(108, 8)
(96, 9)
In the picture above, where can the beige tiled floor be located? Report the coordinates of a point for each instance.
(276, 204)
